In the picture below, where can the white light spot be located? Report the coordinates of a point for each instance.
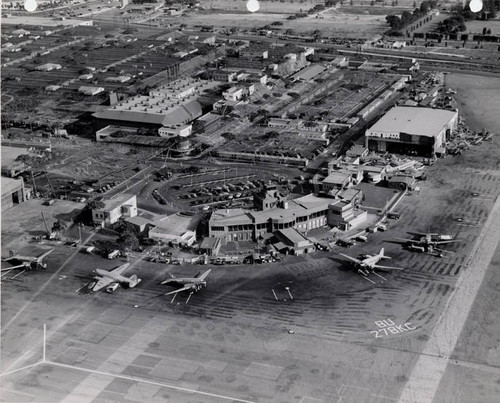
(30, 5)
(253, 5)
(476, 5)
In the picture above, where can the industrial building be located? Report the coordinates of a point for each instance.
(412, 130)
(13, 192)
(171, 104)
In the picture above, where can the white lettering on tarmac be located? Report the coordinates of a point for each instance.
(387, 327)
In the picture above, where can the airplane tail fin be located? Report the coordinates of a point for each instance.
(381, 254)
(204, 275)
(133, 281)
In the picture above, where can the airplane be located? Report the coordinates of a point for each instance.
(433, 237)
(111, 279)
(428, 242)
(191, 284)
(429, 249)
(368, 264)
(27, 262)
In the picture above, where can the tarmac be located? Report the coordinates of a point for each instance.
(307, 329)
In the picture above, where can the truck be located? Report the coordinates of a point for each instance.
(89, 249)
(113, 254)
(394, 216)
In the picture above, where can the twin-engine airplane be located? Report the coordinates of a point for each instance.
(429, 239)
(191, 284)
(111, 279)
(428, 243)
(27, 262)
(368, 264)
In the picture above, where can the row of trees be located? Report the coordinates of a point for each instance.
(399, 22)
(456, 23)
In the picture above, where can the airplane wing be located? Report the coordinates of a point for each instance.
(185, 288)
(120, 269)
(351, 258)
(387, 267)
(443, 242)
(204, 275)
(11, 258)
(407, 240)
(19, 266)
(101, 283)
(40, 257)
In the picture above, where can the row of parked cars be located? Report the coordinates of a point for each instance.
(107, 187)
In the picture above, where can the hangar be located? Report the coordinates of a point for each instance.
(412, 130)
(12, 192)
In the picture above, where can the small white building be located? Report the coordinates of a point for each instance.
(233, 94)
(123, 205)
(86, 77)
(48, 67)
(52, 88)
(117, 79)
(175, 131)
(88, 90)
(176, 229)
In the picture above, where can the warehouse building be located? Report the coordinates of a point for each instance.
(12, 192)
(413, 131)
(172, 104)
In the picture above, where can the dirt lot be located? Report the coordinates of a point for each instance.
(477, 100)
(334, 23)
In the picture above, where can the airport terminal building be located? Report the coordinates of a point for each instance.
(413, 131)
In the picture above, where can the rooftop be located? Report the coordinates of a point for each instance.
(337, 178)
(309, 72)
(421, 121)
(176, 224)
(116, 201)
(294, 236)
(9, 184)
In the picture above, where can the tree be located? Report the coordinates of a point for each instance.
(58, 226)
(96, 204)
(424, 7)
(128, 241)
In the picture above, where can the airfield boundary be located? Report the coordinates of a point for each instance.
(430, 367)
